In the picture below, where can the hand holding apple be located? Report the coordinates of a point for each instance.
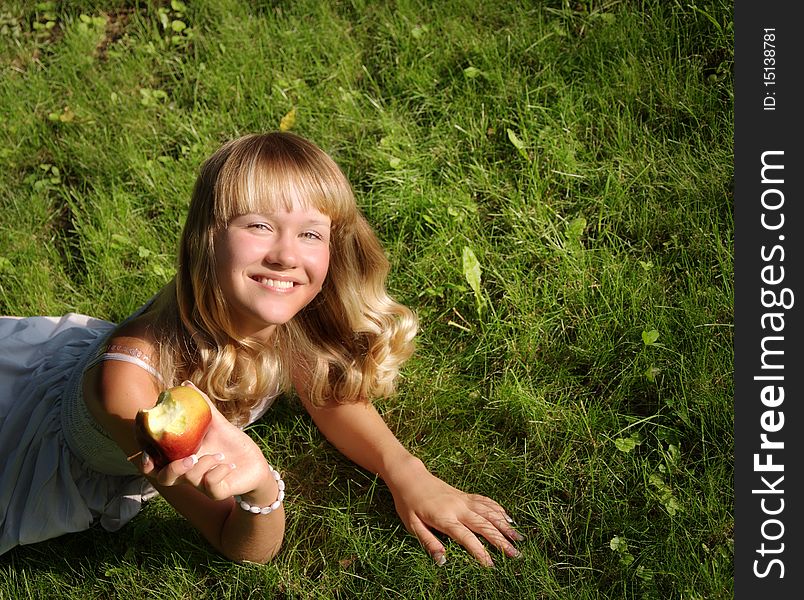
(226, 463)
(175, 427)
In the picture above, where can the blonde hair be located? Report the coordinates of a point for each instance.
(349, 342)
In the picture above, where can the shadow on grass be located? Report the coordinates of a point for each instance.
(96, 563)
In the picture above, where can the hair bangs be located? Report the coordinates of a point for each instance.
(272, 174)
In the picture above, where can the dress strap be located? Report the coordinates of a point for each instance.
(129, 355)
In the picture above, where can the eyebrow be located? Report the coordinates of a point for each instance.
(310, 222)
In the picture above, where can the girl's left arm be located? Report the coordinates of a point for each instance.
(424, 502)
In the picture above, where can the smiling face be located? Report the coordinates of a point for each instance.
(266, 212)
(270, 266)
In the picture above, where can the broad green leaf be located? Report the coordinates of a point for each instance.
(471, 270)
(673, 454)
(649, 337)
(518, 144)
(575, 229)
(672, 505)
(618, 544)
(627, 444)
(119, 240)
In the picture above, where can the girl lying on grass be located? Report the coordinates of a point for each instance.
(280, 286)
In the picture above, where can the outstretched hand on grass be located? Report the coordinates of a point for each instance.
(425, 503)
(428, 504)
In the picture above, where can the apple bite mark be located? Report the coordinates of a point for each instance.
(175, 427)
(166, 417)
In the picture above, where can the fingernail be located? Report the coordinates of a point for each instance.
(514, 553)
(509, 519)
(145, 457)
(219, 456)
(190, 461)
(440, 559)
(517, 536)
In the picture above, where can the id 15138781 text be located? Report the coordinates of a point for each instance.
(769, 68)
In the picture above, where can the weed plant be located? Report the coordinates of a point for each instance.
(553, 184)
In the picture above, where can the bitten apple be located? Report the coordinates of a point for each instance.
(175, 426)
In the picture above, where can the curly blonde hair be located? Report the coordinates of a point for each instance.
(348, 343)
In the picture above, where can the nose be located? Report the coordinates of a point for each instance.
(282, 252)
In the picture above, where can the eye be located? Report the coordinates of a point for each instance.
(312, 235)
(260, 226)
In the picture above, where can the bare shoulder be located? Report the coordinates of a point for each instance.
(115, 390)
(136, 335)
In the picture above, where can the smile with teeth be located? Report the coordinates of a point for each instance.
(274, 283)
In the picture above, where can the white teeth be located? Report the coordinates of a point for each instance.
(276, 283)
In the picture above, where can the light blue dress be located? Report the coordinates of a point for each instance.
(59, 471)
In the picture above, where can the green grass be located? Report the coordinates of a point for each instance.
(581, 150)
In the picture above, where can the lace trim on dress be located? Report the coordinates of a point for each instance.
(130, 350)
(130, 355)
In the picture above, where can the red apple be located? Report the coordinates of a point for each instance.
(175, 426)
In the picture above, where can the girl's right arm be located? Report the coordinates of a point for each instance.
(229, 463)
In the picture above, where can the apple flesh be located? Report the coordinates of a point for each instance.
(175, 427)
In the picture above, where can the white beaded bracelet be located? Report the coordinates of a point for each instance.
(265, 510)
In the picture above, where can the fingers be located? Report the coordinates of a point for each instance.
(432, 546)
(468, 540)
(207, 473)
(492, 532)
(483, 522)
(497, 516)
(146, 464)
(481, 518)
(214, 481)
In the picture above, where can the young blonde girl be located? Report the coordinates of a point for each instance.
(280, 287)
